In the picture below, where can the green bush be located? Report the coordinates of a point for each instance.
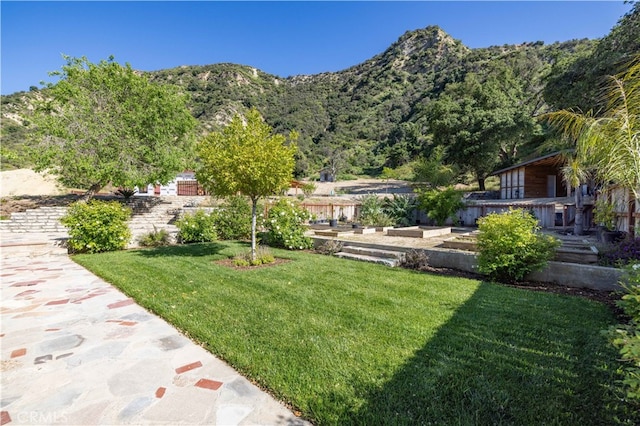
(197, 227)
(626, 337)
(285, 226)
(155, 238)
(232, 220)
(97, 226)
(400, 209)
(511, 245)
(308, 188)
(372, 211)
(440, 205)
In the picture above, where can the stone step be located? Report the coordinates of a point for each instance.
(366, 251)
(33, 249)
(371, 259)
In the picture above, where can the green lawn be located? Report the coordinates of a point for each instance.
(356, 343)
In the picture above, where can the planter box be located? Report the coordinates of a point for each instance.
(458, 243)
(577, 254)
(332, 233)
(364, 230)
(419, 232)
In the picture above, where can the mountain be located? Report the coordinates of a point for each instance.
(365, 117)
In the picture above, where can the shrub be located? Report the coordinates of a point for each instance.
(372, 211)
(604, 214)
(308, 188)
(330, 247)
(400, 209)
(263, 257)
(155, 238)
(510, 245)
(621, 253)
(285, 226)
(97, 226)
(626, 337)
(232, 220)
(196, 228)
(440, 205)
(415, 259)
(126, 192)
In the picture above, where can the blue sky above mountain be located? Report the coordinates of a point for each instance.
(281, 38)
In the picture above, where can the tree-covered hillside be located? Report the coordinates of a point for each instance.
(381, 112)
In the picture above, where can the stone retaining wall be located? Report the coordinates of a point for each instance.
(44, 219)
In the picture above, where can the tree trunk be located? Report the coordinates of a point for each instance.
(93, 190)
(481, 186)
(254, 209)
(578, 225)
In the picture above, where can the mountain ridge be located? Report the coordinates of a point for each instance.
(360, 114)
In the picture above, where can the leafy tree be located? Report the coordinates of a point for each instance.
(610, 142)
(249, 159)
(576, 81)
(105, 123)
(433, 170)
(479, 120)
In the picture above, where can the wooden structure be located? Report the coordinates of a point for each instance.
(540, 177)
(626, 207)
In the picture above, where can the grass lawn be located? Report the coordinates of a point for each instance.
(349, 342)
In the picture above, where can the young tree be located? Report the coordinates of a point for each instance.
(106, 123)
(247, 158)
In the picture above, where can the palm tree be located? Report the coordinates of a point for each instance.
(609, 143)
(574, 174)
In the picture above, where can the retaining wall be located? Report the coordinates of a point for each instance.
(568, 274)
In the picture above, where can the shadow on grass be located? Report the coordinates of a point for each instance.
(511, 359)
(185, 250)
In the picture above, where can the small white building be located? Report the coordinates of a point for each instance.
(184, 183)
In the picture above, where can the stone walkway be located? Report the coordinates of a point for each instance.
(75, 350)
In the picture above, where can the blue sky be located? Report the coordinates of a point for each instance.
(281, 38)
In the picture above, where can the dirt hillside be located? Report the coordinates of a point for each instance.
(27, 182)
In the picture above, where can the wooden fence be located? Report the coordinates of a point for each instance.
(326, 211)
(190, 188)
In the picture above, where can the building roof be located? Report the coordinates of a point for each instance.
(546, 160)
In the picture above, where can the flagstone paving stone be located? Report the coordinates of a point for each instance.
(77, 351)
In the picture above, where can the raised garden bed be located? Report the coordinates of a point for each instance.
(462, 242)
(333, 232)
(577, 253)
(419, 231)
(365, 230)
